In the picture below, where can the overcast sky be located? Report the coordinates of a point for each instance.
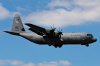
(69, 15)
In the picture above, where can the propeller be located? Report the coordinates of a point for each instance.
(52, 29)
(60, 32)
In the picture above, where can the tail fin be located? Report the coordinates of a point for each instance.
(17, 25)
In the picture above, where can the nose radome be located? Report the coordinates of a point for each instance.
(94, 39)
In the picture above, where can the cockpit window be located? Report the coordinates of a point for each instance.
(90, 35)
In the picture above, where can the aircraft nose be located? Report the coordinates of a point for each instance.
(94, 39)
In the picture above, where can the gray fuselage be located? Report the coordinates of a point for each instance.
(67, 38)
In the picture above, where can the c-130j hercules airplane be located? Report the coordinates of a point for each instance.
(49, 37)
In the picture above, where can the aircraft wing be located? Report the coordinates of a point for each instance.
(36, 29)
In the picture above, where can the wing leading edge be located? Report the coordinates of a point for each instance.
(36, 29)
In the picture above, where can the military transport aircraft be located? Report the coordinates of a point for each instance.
(42, 36)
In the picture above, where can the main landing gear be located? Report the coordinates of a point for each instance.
(57, 46)
(87, 45)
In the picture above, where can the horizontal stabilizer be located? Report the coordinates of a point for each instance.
(12, 33)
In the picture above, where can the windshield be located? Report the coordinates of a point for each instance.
(90, 35)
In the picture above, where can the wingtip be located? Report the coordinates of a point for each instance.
(5, 31)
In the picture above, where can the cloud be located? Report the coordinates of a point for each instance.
(21, 63)
(60, 3)
(4, 13)
(64, 13)
(88, 3)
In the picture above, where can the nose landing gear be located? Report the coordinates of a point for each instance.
(86, 44)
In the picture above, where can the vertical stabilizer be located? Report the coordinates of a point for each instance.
(17, 24)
